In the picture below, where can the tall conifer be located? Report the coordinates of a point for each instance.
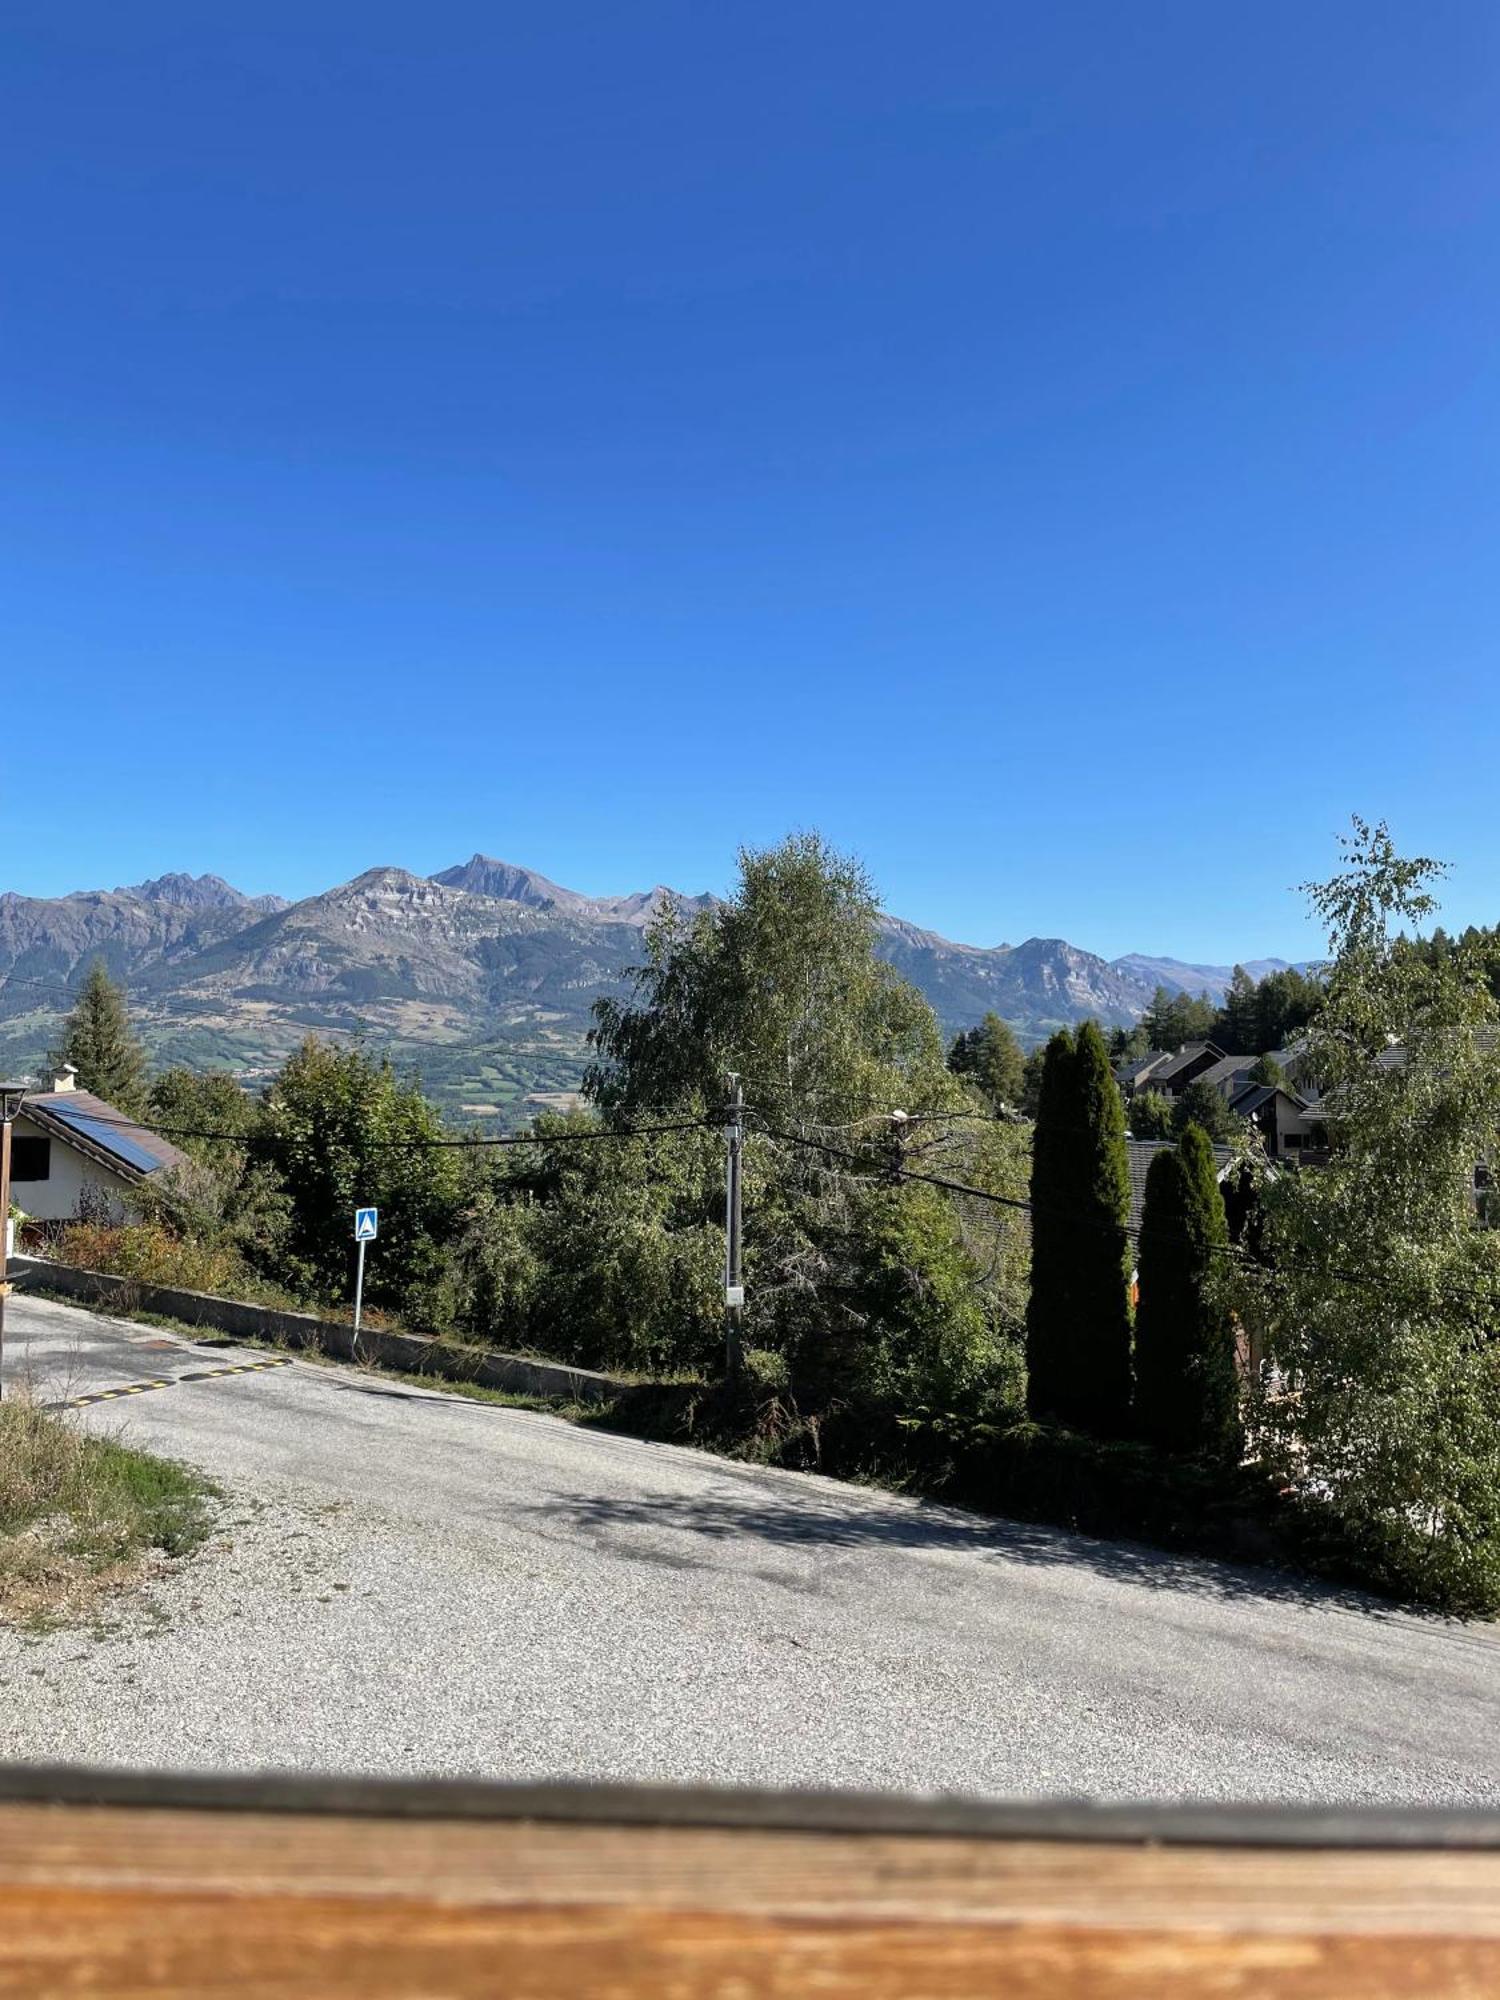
(1078, 1317)
(1186, 1389)
(100, 1044)
(1049, 1311)
(1098, 1391)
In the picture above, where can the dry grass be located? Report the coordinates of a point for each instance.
(82, 1517)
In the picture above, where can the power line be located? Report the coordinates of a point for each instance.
(1140, 1231)
(82, 1120)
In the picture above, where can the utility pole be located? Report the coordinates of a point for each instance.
(734, 1283)
(10, 1103)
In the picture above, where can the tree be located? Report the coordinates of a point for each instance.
(226, 1198)
(1078, 1323)
(1031, 1079)
(1149, 1114)
(1050, 1314)
(781, 984)
(98, 1041)
(1268, 1070)
(1186, 1388)
(1257, 1016)
(1129, 1044)
(195, 1104)
(341, 1129)
(1386, 1292)
(990, 1056)
(1200, 1104)
(1174, 1019)
(1237, 1025)
(858, 1283)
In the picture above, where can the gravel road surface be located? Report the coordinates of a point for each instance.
(407, 1582)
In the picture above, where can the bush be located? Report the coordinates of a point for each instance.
(156, 1255)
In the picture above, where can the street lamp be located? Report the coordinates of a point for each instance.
(10, 1103)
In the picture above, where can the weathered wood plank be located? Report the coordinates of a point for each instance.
(109, 1900)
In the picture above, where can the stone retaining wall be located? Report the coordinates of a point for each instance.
(240, 1321)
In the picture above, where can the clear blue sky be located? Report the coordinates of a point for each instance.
(1050, 448)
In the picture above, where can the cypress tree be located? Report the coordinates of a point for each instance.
(1078, 1316)
(1049, 1311)
(1098, 1387)
(100, 1045)
(1186, 1390)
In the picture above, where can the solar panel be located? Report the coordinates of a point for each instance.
(100, 1127)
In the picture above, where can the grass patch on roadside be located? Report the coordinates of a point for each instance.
(83, 1516)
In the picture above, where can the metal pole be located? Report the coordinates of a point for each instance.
(4, 1235)
(734, 1288)
(359, 1287)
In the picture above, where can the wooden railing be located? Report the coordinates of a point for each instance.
(147, 1886)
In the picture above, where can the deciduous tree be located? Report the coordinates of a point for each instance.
(1386, 1292)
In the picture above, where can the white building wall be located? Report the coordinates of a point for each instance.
(56, 1199)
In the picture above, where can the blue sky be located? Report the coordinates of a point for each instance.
(1051, 449)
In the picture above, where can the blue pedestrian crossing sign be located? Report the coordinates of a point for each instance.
(366, 1224)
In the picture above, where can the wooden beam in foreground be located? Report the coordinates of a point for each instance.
(214, 1894)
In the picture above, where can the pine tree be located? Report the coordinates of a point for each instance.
(100, 1044)
(1049, 1310)
(1186, 1389)
(991, 1056)
(1237, 1025)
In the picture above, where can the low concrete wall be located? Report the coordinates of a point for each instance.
(239, 1321)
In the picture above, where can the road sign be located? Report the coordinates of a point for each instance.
(366, 1224)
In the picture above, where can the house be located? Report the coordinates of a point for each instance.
(1241, 1201)
(73, 1155)
(1136, 1074)
(1283, 1120)
(1173, 1075)
(1228, 1075)
(1139, 1153)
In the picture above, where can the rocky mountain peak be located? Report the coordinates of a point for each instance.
(483, 875)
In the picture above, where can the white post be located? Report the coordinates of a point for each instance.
(359, 1288)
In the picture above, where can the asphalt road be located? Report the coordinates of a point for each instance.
(409, 1582)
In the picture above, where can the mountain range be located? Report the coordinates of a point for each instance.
(481, 976)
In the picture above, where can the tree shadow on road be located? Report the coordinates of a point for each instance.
(870, 1522)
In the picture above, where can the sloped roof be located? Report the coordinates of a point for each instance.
(1225, 1070)
(90, 1125)
(1141, 1152)
(1139, 1066)
(1188, 1053)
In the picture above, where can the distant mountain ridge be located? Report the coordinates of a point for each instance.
(482, 975)
(1194, 980)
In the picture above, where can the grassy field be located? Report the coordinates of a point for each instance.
(82, 1517)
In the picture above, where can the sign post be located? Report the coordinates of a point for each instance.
(366, 1229)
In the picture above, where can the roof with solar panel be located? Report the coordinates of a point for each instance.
(80, 1119)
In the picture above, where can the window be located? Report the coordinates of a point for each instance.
(30, 1159)
(1293, 1139)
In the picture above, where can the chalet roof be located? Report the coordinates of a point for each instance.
(1141, 1152)
(1225, 1070)
(1140, 1066)
(1189, 1053)
(88, 1124)
(1253, 1097)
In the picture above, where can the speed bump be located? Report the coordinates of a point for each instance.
(168, 1382)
